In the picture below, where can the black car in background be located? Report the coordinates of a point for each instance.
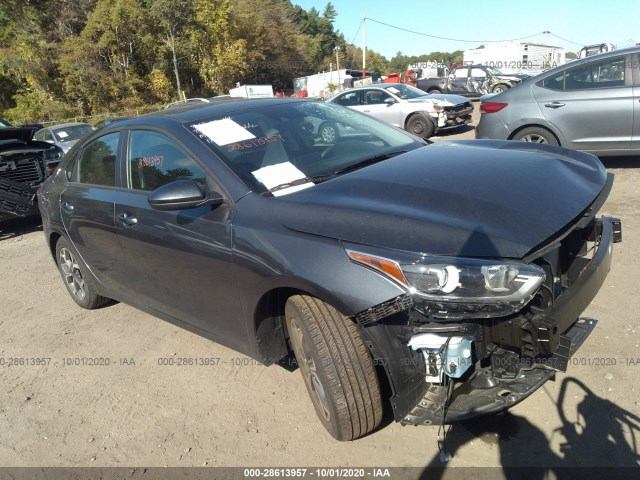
(24, 164)
(455, 272)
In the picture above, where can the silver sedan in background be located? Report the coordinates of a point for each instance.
(422, 114)
(592, 104)
(64, 135)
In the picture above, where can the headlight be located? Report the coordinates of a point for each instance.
(451, 287)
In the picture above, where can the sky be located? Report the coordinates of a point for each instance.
(577, 22)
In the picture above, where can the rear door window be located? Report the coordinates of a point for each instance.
(461, 72)
(604, 74)
(97, 164)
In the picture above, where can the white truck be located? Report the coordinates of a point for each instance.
(516, 57)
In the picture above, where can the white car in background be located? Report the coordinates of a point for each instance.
(64, 135)
(407, 107)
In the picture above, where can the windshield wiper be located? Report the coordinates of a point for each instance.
(340, 171)
(365, 162)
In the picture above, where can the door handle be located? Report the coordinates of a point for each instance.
(127, 220)
(554, 105)
(67, 207)
(367, 111)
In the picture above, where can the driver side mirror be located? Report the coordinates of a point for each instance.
(181, 195)
(390, 101)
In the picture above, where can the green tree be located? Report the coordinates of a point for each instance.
(330, 12)
(219, 54)
(105, 66)
(275, 44)
(173, 16)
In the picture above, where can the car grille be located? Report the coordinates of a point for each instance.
(26, 170)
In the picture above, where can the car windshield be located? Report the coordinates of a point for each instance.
(72, 132)
(405, 92)
(494, 71)
(304, 142)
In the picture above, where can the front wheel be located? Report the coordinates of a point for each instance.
(421, 125)
(536, 135)
(499, 88)
(336, 367)
(328, 132)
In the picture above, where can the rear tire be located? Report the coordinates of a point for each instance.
(76, 278)
(420, 125)
(435, 90)
(500, 88)
(536, 135)
(336, 366)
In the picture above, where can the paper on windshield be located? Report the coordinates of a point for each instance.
(275, 175)
(62, 134)
(393, 90)
(225, 131)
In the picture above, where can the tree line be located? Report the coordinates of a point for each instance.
(65, 58)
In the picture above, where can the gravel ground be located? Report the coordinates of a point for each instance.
(135, 412)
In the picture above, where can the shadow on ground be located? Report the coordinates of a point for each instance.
(621, 162)
(19, 226)
(596, 436)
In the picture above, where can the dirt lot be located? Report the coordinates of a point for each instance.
(135, 412)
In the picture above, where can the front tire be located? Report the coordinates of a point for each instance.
(420, 125)
(536, 135)
(328, 132)
(336, 366)
(76, 278)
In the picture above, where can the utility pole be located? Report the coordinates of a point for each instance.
(364, 45)
(546, 36)
(338, 66)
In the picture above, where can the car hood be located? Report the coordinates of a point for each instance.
(24, 134)
(445, 99)
(478, 198)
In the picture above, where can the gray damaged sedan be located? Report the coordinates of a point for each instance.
(590, 104)
(441, 282)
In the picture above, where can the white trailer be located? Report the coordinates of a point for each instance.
(252, 91)
(516, 57)
(324, 84)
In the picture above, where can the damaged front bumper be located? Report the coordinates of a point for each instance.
(491, 363)
(458, 115)
(16, 198)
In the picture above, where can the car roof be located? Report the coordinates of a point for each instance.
(582, 61)
(224, 106)
(66, 125)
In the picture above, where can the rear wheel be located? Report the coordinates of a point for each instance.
(435, 90)
(536, 135)
(74, 274)
(421, 125)
(336, 367)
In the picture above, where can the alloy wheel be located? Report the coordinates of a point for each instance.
(307, 365)
(72, 274)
